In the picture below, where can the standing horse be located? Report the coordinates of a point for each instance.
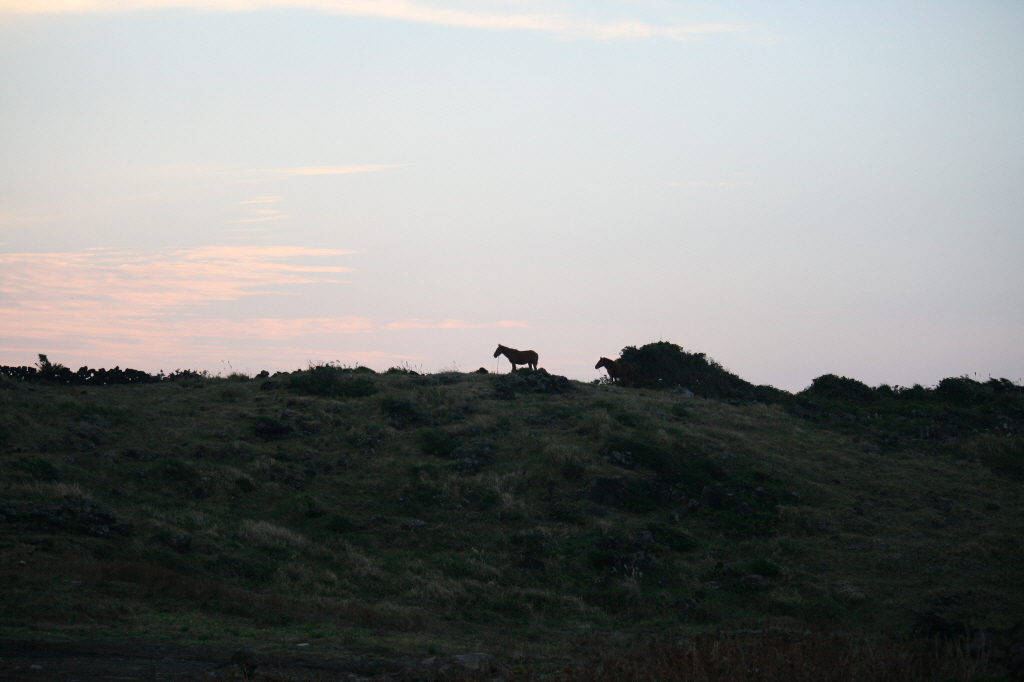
(518, 357)
(617, 370)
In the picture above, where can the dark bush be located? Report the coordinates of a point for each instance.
(333, 381)
(832, 387)
(765, 568)
(676, 540)
(59, 374)
(666, 365)
(530, 381)
(176, 470)
(271, 429)
(402, 412)
(438, 442)
(567, 512)
(1007, 459)
(673, 466)
(629, 494)
(39, 469)
(341, 524)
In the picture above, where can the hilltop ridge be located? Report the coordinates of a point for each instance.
(340, 504)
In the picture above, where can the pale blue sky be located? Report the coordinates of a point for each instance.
(793, 188)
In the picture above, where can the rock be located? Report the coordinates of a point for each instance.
(531, 564)
(535, 381)
(688, 606)
(482, 370)
(314, 509)
(755, 582)
(679, 390)
(623, 459)
(471, 456)
(980, 641)
(72, 513)
(246, 661)
(414, 524)
(632, 494)
(245, 483)
(715, 497)
(846, 592)
(643, 539)
(693, 505)
(482, 662)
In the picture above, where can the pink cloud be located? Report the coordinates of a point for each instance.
(105, 306)
(119, 304)
(140, 284)
(417, 323)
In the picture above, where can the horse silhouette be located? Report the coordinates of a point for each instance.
(518, 357)
(617, 370)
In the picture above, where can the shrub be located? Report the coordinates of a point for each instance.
(666, 365)
(832, 387)
(765, 568)
(37, 468)
(58, 373)
(676, 540)
(438, 442)
(271, 429)
(333, 381)
(671, 465)
(402, 412)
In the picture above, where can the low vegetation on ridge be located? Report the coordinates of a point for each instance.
(510, 513)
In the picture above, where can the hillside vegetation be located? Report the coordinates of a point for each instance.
(517, 514)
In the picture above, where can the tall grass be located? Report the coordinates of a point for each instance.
(269, 535)
(781, 657)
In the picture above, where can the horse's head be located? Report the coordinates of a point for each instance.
(603, 362)
(500, 349)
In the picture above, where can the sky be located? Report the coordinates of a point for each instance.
(793, 188)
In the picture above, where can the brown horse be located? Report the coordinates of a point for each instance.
(518, 357)
(617, 370)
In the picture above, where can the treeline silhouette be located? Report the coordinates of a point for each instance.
(893, 417)
(59, 374)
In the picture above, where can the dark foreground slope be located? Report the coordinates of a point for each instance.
(460, 512)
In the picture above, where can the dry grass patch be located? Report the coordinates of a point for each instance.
(269, 535)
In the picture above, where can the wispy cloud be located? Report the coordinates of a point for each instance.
(124, 284)
(263, 200)
(471, 15)
(112, 303)
(745, 183)
(104, 305)
(273, 327)
(333, 170)
(416, 323)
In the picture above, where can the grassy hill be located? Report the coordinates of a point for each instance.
(519, 515)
